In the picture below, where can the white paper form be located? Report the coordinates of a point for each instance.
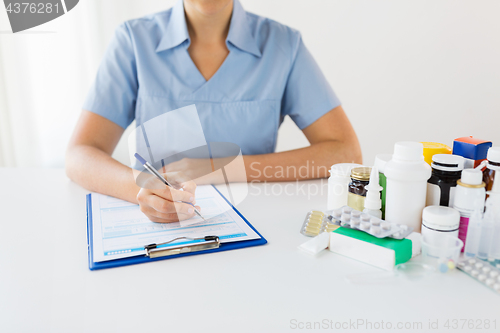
(121, 230)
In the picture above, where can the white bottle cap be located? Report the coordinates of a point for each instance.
(494, 154)
(381, 160)
(472, 177)
(408, 151)
(447, 162)
(440, 218)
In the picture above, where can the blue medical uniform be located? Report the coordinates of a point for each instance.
(268, 74)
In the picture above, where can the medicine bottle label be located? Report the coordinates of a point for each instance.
(452, 196)
(356, 201)
(462, 229)
(435, 195)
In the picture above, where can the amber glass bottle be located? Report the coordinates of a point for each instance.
(360, 177)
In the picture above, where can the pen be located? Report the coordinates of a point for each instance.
(150, 168)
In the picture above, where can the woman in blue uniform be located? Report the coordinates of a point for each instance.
(243, 72)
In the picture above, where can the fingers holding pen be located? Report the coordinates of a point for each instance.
(165, 207)
(158, 209)
(189, 186)
(164, 203)
(172, 194)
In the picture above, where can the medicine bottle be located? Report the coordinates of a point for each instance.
(338, 184)
(470, 189)
(492, 167)
(407, 175)
(360, 177)
(373, 203)
(437, 222)
(446, 171)
(433, 148)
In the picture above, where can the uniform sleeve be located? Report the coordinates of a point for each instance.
(308, 95)
(114, 92)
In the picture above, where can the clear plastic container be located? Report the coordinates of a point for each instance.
(444, 255)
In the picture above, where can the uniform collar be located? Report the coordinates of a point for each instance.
(176, 32)
(239, 30)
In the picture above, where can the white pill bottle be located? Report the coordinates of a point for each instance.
(407, 174)
(340, 176)
(438, 221)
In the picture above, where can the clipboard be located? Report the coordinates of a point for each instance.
(144, 258)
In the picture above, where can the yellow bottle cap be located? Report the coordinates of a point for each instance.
(433, 148)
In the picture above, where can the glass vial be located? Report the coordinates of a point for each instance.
(360, 177)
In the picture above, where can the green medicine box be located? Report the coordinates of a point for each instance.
(384, 253)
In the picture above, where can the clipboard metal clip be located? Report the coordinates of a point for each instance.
(201, 244)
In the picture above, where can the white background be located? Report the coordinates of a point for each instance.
(425, 70)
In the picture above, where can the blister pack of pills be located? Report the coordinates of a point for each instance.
(367, 223)
(348, 217)
(403, 232)
(317, 222)
(482, 271)
(355, 219)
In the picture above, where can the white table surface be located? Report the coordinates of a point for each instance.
(46, 286)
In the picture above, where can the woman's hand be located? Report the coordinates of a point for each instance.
(162, 203)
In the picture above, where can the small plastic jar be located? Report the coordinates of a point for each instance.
(438, 222)
(360, 177)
